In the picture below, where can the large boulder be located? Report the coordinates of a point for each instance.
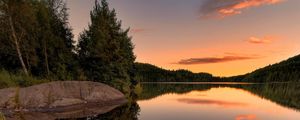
(60, 98)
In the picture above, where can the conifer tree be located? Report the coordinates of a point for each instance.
(105, 49)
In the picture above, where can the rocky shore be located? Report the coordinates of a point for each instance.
(57, 100)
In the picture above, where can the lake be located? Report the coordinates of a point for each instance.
(214, 101)
(208, 101)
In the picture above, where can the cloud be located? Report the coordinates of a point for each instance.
(137, 30)
(210, 102)
(207, 60)
(256, 40)
(224, 8)
(246, 117)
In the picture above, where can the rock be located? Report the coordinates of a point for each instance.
(60, 97)
(67, 102)
(8, 99)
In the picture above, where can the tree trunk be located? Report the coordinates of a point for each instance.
(46, 59)
(27, 61)
(16, 41)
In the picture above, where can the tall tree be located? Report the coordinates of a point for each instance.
(37, 34)
(56, 39)
(16, 24)
(105, 49)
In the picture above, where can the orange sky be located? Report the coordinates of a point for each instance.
(220, 37)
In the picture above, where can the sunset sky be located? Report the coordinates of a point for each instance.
(221, 37)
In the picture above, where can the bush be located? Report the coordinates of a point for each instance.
(8, 79)
(2, 117)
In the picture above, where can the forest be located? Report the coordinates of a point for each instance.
(37, 45)
(285, 94)
(285, 71)
(150, 73)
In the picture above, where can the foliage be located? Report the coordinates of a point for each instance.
(18, 79)
(39, 42)
(286, 94)
(151, 73)
(152, 90)
(285, 71)
(125, 112)
(39, 38)
(2, 117)
(105, 51)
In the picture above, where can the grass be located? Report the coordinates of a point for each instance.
(2, 117)
(8, 79)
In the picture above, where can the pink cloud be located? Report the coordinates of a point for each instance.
(224, 8)
(137, 30)
(210, 102)
(246, 117)
(208, 60)
(256, 40)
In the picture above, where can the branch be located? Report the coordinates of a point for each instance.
(20, 37)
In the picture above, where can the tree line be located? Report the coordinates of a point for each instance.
(36, 40)
(35, 37)
(285, 71)
(150, 73)
(286, 94)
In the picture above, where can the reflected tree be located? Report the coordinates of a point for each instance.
(284, 94)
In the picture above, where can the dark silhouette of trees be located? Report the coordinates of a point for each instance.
(105, 50)
(285, 71)
(150, 73)
(37, 34)
(15, 26)
(35, 37)
(36, 40)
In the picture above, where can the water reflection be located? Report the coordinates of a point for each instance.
(246, 117)
(285, 94)
(129, 111)
(217, 101)
(210, 102)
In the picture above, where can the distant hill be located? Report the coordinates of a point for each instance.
(285, 71)
(150, 73)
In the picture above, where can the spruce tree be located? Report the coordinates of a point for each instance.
(105, 49)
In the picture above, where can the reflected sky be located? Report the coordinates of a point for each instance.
(221, 103)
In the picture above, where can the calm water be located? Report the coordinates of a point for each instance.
(213, 102)
(217, 101)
